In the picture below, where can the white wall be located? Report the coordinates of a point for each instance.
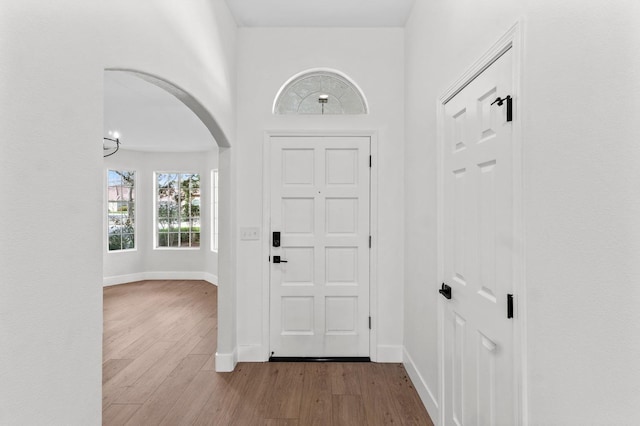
(51, 76)
(581, 156)
(146, 262)
(191, 46)
(50, 289)
(374, 59)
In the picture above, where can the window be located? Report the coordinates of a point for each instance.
(320, 92)
(214, 210)
(178, 210)
(121, 210)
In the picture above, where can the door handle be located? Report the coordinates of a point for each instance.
(276, 259)
(445, 290)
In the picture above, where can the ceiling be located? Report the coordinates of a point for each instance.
(325, 13)
(148, 118)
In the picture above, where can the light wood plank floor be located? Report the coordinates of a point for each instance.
(158, 347)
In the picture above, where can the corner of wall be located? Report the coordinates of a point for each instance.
(426, 395)
(226, 362)
(210, 278)
(389, 353)
(252, 353)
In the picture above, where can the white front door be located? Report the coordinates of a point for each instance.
(320, 206)
(478, 252)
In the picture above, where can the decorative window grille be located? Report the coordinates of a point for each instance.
(320, 92)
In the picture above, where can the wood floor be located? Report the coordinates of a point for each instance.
(159, 343)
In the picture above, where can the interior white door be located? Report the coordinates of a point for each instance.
(320, 205)
(478, 252)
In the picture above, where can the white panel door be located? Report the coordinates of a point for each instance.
(320, 204)
(478, 252)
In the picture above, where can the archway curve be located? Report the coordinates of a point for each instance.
(226, 353)
(330, 72)
(188, 99)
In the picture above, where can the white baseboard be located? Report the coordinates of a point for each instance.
(174, 275)
(252, 353)
(226, 362)
(159, 275)
(389, 353)
(210, 278)
(122, 279)
(427, 397)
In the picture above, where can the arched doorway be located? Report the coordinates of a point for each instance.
(225, 361)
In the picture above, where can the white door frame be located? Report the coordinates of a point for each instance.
(373, 224)
(511, 40)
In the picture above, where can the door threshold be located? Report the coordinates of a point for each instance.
(319, 359)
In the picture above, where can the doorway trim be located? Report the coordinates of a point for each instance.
(373, 224)
(511, 40)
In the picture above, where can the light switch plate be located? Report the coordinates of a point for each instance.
(247, 234)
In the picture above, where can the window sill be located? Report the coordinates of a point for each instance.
(121, 251)
(177, 248)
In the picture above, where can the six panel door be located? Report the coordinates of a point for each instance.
(478, 251)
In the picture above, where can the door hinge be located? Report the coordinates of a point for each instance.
(369, 241)
(369, 323)
(509, 305)
(370, 161)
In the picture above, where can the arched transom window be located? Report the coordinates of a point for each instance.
(320, 92)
